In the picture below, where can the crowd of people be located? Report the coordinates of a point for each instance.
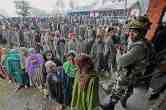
(65, 57)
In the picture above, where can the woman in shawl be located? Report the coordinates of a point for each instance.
(3, 73)
(34, 65)
(13, 64)
(60, 46)
(55, 82)
(85, 90)
(72, 43)
(70, 71)
(24, 55)
(48, 56)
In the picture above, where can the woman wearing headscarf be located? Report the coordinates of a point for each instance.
(48, 56)
(13, 65)
(34, 65)
(72, 44)
(24, 55)
(60, 46)
(85, 89)
(55, 82)
(3, 73)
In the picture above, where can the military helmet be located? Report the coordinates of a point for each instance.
(140, 23)
(135, 24)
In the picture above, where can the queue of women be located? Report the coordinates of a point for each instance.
(66, 70)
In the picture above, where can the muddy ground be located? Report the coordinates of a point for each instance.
(25, 99)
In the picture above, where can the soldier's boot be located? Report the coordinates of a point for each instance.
(123, 101)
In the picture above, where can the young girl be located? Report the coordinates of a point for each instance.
(70, 71)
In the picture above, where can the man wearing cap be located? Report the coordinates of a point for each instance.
(134, 60)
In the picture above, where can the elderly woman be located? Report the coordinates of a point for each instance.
(55, 82)
(34, 65)
(85, 90)
(48, 56)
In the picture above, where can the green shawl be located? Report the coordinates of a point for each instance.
(70, 69)
(85, 99)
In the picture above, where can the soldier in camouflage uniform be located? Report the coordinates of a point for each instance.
(134, 60)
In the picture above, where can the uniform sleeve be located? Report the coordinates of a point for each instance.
(135, 54)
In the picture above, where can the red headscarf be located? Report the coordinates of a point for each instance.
(72, 35)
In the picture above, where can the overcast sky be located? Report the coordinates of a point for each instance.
(8, 5)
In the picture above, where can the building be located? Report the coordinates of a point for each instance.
(114, 9)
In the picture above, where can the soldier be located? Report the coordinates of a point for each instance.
(134, 60)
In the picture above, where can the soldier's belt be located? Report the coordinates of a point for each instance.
(163, 67)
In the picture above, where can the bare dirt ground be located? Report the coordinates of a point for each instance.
(25, 99)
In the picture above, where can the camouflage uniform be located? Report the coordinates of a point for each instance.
(134, 60)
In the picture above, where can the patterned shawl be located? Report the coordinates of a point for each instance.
(33, 62)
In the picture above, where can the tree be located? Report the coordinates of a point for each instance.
(22, 8)
(71, 4)
(38, 12)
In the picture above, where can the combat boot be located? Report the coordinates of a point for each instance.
(123, 101)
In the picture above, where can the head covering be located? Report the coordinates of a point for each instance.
(24, 50)
(135, 24)
(141, 23)
(1, 52)
(49, 66)
(31, 50)
(45, 53)
(71, 53)
(85, 61)
(12, 55)
(72, 35)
